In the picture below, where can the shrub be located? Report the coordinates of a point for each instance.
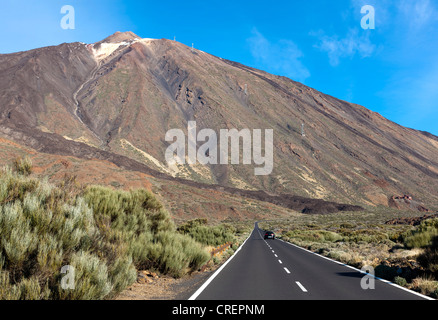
(208, 235)
(425, 285)
(176, 254)
(42, 229)
(148, 230)
(314, 235)
(91, 278)
(400, 281)
(23, 166)
(102, 233)
(422, 236)
(365, 235)
(429, 258)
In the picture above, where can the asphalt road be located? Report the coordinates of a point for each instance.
(276, 270)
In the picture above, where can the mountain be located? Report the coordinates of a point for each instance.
(116, 99)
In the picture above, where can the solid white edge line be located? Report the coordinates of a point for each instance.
(301, 286)
(206, 283)
(346, 265)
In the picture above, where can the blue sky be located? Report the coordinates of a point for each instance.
(392, 69)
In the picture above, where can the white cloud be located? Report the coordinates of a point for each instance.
(417, 13)
(282, 57)
(353, 43)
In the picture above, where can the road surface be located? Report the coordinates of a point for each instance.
(277, 270)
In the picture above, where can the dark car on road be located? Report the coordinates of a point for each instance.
(269, 235)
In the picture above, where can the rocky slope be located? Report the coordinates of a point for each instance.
(116, 99)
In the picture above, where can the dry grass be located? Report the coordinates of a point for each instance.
(426, 285)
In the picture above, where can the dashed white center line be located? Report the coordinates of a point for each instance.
(301, 286)
(286, 269)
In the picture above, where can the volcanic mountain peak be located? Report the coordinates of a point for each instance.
(121, 37)
(124, 93)
(107, 46)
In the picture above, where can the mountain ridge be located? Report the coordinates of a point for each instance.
(129, 99)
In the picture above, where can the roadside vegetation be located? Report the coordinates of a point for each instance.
(213, 236)
(404, 254)
(200, 231)
(106, 235)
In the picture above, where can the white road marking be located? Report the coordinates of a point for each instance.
(353, 268)
(301, 286)
(206, 283)
(275, 255)
(287, 270)
(280, 261)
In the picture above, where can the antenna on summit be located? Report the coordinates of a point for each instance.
(193, 48)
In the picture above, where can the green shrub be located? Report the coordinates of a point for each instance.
(422, 236)
(314, 235)
(23, 166)
(102, 233)
(176, 254)
(429, 258)
(208, 235)
(400, 281)
(91, 278)
(147, 228)
(365, 235)
(41, 230)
